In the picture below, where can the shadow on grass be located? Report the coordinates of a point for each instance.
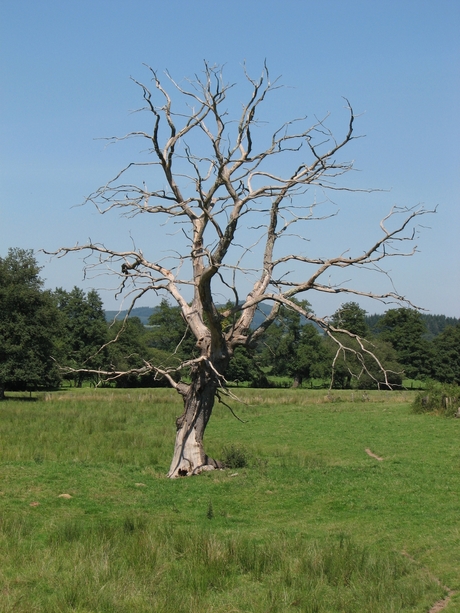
(31, 396)
(19, 399)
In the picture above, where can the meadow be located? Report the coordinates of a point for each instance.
(341, 502)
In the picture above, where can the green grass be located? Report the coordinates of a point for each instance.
(309, 522)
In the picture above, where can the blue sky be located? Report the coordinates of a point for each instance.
(65, 68)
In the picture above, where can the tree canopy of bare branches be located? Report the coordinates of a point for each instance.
(223, 186)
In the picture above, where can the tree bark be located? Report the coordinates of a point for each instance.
(189, 456)
(297, 381)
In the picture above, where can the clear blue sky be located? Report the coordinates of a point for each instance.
(65, 68)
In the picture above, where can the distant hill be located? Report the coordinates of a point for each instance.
(142, 312)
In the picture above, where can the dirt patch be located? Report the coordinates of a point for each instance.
(441, 604)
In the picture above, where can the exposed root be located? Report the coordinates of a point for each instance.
(209, 464)
(201, 469)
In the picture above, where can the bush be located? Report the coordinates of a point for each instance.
(235, 457)
(438, 398)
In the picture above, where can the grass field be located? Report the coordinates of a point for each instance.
(311, 523)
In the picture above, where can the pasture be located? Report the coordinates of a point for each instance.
(337, 502)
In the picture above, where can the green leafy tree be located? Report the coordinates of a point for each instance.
(130, 349)
(281, 341)
(244, 367)
(169, 333)
(83, 332)
(367, 362)
(405, 330)
(295, 348)
(28, 325)
(350, 316)
(313, 360)
(354, 368)
(435, 324)
(446, 355)
(131, 353)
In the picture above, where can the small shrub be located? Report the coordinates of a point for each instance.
(235, 457)
(438, 398)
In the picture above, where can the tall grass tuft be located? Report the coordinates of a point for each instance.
(134, 565)
(91, 426)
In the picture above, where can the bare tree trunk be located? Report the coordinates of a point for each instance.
(232, 176)
(297, 381)
(189, 456)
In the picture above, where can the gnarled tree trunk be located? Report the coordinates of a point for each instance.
(189, 456)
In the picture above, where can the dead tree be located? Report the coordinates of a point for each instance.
(231, 208)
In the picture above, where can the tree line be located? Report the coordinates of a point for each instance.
(399, 339)
(50, 337)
